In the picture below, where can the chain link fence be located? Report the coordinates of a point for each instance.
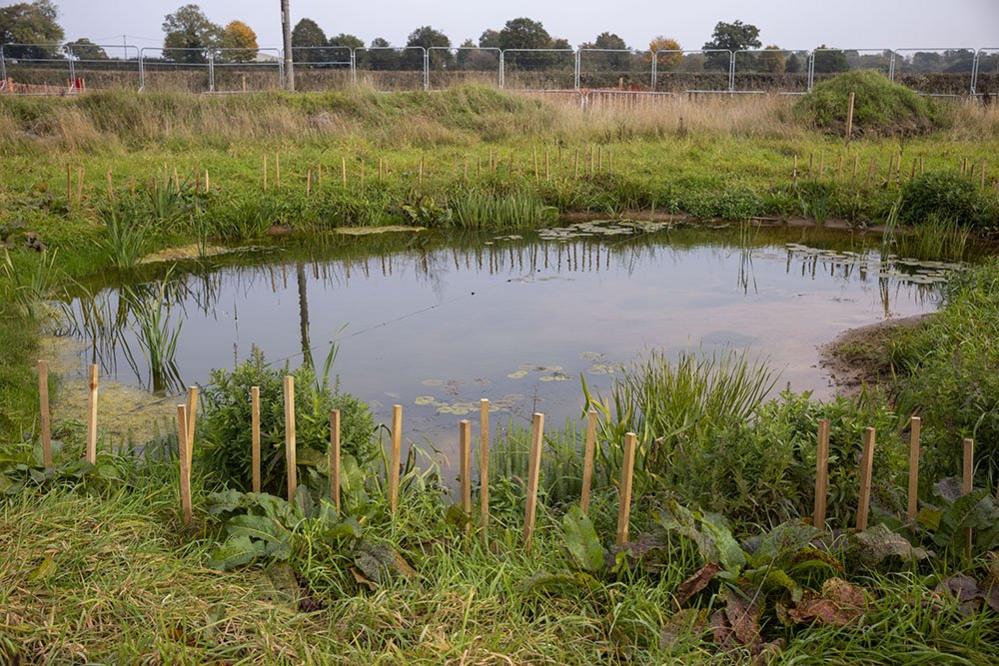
(69, 68)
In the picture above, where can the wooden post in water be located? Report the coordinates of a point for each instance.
(589, 449)
(335, 459)
(465, 455)
(255, 437)
(395, 459)
(821, 476)
(91, 453)
(290, 452)
(624, 494)
(967, 483)
(44, 422)
(484, 466)
(849, 116)
(533, 474)
(915, 426)
(185, 469)
(866, 468)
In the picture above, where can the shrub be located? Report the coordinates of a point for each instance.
(881, 108)
(226, 424)
(943, 195)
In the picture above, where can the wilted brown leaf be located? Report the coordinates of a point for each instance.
(689, 621)
(838, 604)
(697, 582)
(744, 616)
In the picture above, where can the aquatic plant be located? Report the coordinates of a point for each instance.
(157, 334)
(125, 235)
(479, 210)
(29, 281)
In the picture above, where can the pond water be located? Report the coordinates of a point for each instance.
(437, 321)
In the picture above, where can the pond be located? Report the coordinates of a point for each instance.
(435, 321)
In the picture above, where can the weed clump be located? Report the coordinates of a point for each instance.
(944, 195)
(881, 108)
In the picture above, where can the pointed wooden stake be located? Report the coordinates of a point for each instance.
(866, 469)
(465, 455)
(91, 453)
(533, 474)
(395, 459)
(44, 423)
(589, 449)
(821, 475)
(624, 492)
(484, 466)
(335, 459)
(255, 437)
(290, 450)
(185, 469)
(915, 426)
(967, 484)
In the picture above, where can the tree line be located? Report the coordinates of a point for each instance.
(189, 36)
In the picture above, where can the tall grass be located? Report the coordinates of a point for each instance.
(157, 333)
(29, 281)
(125, 235)
(480, 210)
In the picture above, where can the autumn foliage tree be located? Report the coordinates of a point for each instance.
(239, 42)
(667, 52)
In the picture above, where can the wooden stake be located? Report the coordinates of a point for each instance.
(981, 176)
(44, 424)
(110, 184)
(849, 117)
(548, 166)
(866, 468)
(421, 171)
(263, 171)
(484, 466)
(821, 476)
(208, 186)
(192, 417)
(335, 459)
(91, 454)
(343, 171)
(308, 183)
(185, 468)
(624, 493)
(69, 186)
(915, 426)
(794, 170)
(277, 170)
(967, 483)
(395, 458)
(290, 452)
(255, 437)
(533, 474)
(79, 185)
(465, 454)
(575, 169)
(176, 181)
(589, 449)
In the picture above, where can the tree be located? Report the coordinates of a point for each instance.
(30, 24)
(669, 60)
(608, 41)
(189, 35)
(523, 33)
(828, 61)
(307, 42)
(772, 60)
(84, 49)
(380, 57)
(239, 42)
(427, 38)
(735, 36)
(347, 41)
(490, 39)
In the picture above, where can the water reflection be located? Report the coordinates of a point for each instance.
(438, 321)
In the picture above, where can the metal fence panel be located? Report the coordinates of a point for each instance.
(105, 66)
(455, 66)
(771, 70)
(827, 63)
(391, 68)
(936, 71)
(246, 70)
(41, 68)
(986, 77)
(707, 70)
(185, 70)
(323, 67)
(540, 69)
(620, 69)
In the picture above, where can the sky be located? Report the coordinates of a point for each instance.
(793, 24)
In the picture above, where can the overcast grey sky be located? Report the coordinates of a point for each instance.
(787, 23)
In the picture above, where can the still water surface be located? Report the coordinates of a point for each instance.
(436, 322)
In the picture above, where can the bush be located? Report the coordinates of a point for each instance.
(881, 108)
(944, 195)
(226, 425)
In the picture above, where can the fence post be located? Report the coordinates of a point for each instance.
(624, 492)
(185, 464)
(3, 65)
(465, 450)
(811, 72)
(502, 69)
(211, 72)
(891, 66)
(731, 71)
(72, 65)
(395, 459)
(655, 70)
(44, 419)
(533, 472)
(353, 67)
(866, 468)
(426, 69)
(142, 71)
(91, 451)
(290, 450)
(821, 476)
(974, 68)
(578, 67)
(915, 426)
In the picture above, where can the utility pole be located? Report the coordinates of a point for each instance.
(289, 61)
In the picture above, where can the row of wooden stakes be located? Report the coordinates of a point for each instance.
(186, 426)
